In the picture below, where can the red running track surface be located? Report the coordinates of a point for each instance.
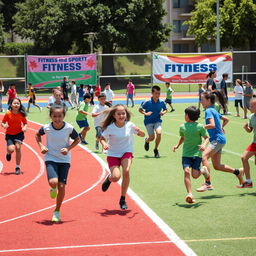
(92, 223)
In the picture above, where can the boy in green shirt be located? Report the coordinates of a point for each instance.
(169, 92)
(81, 118)
(191, 134)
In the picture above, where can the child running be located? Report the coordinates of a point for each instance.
(32, 98)
(98, 113)
(169, 92)
(81, 118)
(118, 129)
(191, 134)
(217, 141)
(15, 123)
(57, 155)
(251, 150)
(11, 93)
(239, 91)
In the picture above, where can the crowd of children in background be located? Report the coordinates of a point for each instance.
(114, 131)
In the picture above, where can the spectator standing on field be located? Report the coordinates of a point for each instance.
(248, 93)
(109, 95)
(130, 92)
(224, 90)
(73, 94)
(64, 87)
(210, 83)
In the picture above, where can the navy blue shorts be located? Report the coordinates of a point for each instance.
(169, 101)
(57, 170)
(192, 162)
(130, 96)
(82, 123)
(12, 139)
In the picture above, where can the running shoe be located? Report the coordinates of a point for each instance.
(97, 145)
(146, 146)
(189, 199)
(53, 192)
(240, 176)
(204, 187)
(172, 110)
(17, 170)
(245, 184)
(156, 153)
(56, 216)
(41, 109)
(123, 205)
(106, 184)
(8, 157)
(84, 142)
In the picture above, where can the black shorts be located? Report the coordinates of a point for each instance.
(57, 170)
(32, 100)
(239, 102)
(12, 139)
(65, 95)
(191, 162)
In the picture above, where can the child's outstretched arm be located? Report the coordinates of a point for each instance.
(211, 124)
(248, 128)
(104, 143)
(42, 147)
(181, 140)
(140, 133)
(85, 113)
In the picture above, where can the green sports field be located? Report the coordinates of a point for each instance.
(223, 221)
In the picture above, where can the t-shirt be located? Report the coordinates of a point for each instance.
(12, 93)
(109, 95)
(98, 119)
(73, 89)
(248, 90)
(82, 107)
(31, 92)
(151, 106)
(121, 139)
(14, 121)
(238, 90)
(223, 85)
(97, 91)
(192, 133)
(169, 93)
(252, 124)
(211, 82)
(64, 87)
(56, 139)
(215, 133)
(130, 88)
(80, 92)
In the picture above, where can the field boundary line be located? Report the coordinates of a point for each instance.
(220, 239)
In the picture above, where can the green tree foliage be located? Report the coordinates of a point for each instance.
(237, 22)
(1, 27)
(58, 26)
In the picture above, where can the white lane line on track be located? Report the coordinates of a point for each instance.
(1, 166)
(103, 173)
(84, 246)
(41, 171)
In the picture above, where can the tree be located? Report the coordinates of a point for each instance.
(58, 26)
(1, 28)
(237, 22)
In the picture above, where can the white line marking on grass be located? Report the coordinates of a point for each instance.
(67, 200)
(221, 239)
(41, 171)
(84, 246)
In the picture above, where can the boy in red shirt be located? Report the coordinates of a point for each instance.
(11, 93)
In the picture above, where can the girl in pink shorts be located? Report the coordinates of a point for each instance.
(119, 131)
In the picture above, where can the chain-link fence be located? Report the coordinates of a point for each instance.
(118, 68)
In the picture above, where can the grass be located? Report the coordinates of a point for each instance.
(8, 69)
(224, 213)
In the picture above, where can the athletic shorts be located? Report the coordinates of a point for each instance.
(98, 131)
(116, 161)
(65, 95)
(32, 100)
(82, 123)
(152, 127)
(130, 96)
(57, 170)
(12, 139)
(191, 162)
(169, 101)
(239, 102)
(251, 147)
(216, 146)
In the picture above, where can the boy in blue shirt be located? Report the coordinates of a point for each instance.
(153, 109)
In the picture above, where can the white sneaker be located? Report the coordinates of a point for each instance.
(41, 109)
(56, 216)
(189, 199)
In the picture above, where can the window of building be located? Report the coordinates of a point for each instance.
(177, 26)
(180, 3)
(179, 48)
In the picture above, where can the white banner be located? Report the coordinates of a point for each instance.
(190, 68)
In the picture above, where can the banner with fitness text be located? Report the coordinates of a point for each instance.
(48, 71)
(190, 68)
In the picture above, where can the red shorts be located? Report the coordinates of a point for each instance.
(252, 148)
(116, 161)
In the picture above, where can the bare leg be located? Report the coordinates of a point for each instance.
(245, 157)
(158, 137)
(187, 180)
(28, 106)
(18, 153)
(84, 131)
(126, 164)
(60, 196)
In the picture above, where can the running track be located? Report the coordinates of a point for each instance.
(92, 223)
